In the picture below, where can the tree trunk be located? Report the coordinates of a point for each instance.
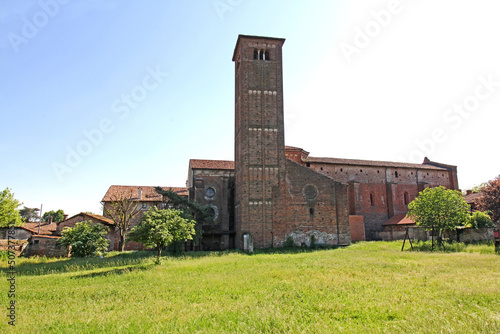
(159, 251)
(122, 243)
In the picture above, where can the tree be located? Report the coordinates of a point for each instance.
(159, 228)
(479, 219)
(490, 201)
(57, 216)
(202, 214)
(85, 239)
(30, 215)
(439, 209)
(121, 209)
(8, 209)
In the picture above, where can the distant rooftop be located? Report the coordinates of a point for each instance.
(211, 164)
(148, 194)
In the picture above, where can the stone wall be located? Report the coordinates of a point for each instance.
(46, 246)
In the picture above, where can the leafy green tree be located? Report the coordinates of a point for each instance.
(490, 201)
(202, 214)
(479, 219)
(30, 215)
(439, 209)
(85, 239)
(159, 228)
(8, 209)
(57, 216)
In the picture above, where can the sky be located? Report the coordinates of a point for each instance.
(113, 92)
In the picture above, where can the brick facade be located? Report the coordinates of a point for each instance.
(272, 193)
(379, 190)
(275, 198)
(212, 183)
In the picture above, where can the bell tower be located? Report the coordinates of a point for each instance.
(259, 137)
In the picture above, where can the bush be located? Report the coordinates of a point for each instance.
(85, 239)
(479, 219)
(289, 242)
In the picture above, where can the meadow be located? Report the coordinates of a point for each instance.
(368, 287)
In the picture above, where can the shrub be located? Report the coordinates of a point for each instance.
(479, 219)
(289, 242)
(85, 239)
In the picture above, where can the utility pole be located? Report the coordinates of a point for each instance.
(40, 220)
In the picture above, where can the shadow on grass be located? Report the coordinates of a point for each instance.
(141, 259)
(44, 266)
(116, 271)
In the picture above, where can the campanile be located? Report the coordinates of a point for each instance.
(259, 136)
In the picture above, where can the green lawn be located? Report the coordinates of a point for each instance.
(369, 287)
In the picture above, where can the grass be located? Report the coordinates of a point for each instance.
(369, 287)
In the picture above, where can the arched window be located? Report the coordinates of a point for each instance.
(261, 55)
(266, 55)
(255, 54)
(371, 200)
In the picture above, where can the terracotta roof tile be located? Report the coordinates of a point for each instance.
(373, 163)
(211, 164)
(45, 228)
(149, 193)
(473, 198)
(46, 236)
(103, 219)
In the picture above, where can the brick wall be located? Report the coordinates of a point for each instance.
(357, 227)
(216, 189)
(310, 204)
(259, 136)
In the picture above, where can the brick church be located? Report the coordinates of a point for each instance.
(274, 193)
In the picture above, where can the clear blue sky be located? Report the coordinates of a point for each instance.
(95, 93)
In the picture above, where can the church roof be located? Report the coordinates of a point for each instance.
(211, 164)
(149, 193)
(372, 163)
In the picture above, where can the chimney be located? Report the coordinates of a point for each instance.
(140, 193)
(469, 192)
(65, 217)
(50, 220)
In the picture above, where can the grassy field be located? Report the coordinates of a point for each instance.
(369, 287)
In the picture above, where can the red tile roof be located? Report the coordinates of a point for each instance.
(46, 236)
(102, 219)
(211, 164)
(293, 148)
(149, 193)
(473, 198)
(400, 219)
(372, 163)
(45, 228)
